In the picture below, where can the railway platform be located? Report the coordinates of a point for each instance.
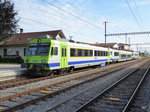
(9, 71)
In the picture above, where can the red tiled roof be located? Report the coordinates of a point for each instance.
(23, 38)
(103, 44)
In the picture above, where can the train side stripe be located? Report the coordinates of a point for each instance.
(88, 61)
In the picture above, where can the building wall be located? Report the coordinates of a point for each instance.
(126, 47)
(13, 50)
(116, 46)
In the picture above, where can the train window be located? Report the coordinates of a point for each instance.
(79, 52)
(63, 52)
(106, 53)
(123, 56)
(102, 52)
(116, 53)
(95, 53)
(91, 53)
(72, 52)
(54, 51)
(85, 52)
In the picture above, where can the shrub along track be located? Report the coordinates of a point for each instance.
(63, 85)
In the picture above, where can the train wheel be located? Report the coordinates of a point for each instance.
(39, 73)
(71, 69)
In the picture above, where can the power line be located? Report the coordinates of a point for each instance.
(72, 14)
(54, 26)
(58, 16)
(110, 22)
(133, 14)
(130, 33)
(138, 12)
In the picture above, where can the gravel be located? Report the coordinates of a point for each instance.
(30, 86)
(97, 85)
(142, 99)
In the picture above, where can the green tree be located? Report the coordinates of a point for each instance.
(8, 23)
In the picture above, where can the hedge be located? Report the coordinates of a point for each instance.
(17, 59)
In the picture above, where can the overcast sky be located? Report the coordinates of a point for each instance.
(83, 19)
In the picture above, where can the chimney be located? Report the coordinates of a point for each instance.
(21, 30)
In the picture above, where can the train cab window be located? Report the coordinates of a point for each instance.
(54, 51)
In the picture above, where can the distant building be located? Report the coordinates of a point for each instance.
(16, 45)
(110, 45)
(113, 45)
(124, 46)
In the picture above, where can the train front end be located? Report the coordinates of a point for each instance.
(37, 58)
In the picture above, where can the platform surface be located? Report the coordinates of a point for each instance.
(11, 70)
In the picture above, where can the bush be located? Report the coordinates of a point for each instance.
(17, 59)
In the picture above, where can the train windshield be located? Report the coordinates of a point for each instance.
(38, 49)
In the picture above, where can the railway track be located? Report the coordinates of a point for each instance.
(119, 96)
(27, 80)
(51, 90)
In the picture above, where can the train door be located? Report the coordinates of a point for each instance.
(63, 55)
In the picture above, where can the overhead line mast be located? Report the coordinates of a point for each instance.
(130, 33)
(126, 34)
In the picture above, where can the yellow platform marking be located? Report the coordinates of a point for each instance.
(2, 108)
(46, 92)
(113, 99)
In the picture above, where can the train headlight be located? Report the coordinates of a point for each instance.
(43, 61)
(27, 60)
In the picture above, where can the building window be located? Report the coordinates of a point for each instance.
(17, 53)
(30, 38)
(5, 52)
(24, 51)
(19, 39)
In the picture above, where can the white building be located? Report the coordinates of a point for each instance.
(114, 45)
(16, 45)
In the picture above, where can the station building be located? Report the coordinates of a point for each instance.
(16, 44)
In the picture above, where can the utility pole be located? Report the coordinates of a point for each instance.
(105, 31)
(126, 38)
(129, 40)
(70, 37)
(137, 47)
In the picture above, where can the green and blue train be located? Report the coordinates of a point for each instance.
(46, 56)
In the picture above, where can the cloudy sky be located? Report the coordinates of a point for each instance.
(83, 19)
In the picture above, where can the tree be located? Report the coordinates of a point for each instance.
(8, 23)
